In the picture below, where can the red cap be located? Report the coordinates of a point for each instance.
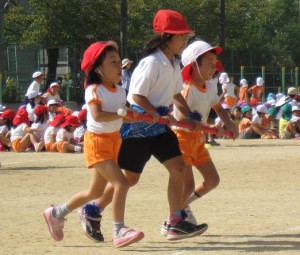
(93, 52)
(71, 120)
(82, 115)
(171, 22)
(254, 101)
(219, 66)
(21, 117)
(57, 119)
(7, 114)
(40, 109)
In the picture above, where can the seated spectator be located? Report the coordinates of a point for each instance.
(52, 109)
(292, 128)
(65, 136)
(6, 118)
(285, 118)
(35, 85)
(249, 129)
(80, 130)
(52, 93)
(51, 132)
(235, 115)
(34, 98)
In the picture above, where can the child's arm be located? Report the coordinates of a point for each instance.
(30, 130)
(101, 116)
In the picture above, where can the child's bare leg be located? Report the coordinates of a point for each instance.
(5, 140)
(25, 142)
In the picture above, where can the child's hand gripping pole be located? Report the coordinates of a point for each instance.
(148, 118)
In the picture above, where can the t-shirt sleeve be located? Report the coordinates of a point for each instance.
(92, 95)
(143, 77)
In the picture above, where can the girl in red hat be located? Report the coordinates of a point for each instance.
(102, 64)
(65, 141)
(21, 131)
(6, 118)
(52, 93)
(51, 131)
(40, 123)
(155, 84)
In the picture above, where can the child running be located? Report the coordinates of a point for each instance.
(199, 61)
(156, 83)
(102, 64)
(51, 132)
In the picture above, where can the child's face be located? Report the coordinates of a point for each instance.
(53, 108)
(178, 43)
(111, 68)
(55, 90)
(237, 113)
(207, 67)
(248, 114)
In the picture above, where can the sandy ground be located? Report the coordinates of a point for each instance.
(254, 210)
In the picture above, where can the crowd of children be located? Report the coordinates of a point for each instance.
(42, 123)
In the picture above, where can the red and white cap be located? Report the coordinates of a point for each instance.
(192, 52)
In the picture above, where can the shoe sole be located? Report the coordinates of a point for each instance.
(84, 228)
(134, 239)
(184, 236)
(56, 239)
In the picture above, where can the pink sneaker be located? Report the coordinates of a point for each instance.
(55, 225)
(126, 237)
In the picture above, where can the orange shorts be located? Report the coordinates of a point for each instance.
(49, 147)
(230, 101)
(59, 146)
(17, 146)
(101, 147)
(192, 146)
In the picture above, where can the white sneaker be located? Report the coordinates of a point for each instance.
(164, 228)
(190, 217)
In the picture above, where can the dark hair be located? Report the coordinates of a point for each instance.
(158, 41)
(91, 76)
(40, 118)
(8, 123)
(31, 102)
(68, 128)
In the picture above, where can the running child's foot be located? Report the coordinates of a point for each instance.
(55, 225)
(184, 229)
(91, 222)
(126, 237)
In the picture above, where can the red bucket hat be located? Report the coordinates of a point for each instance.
(7, 114)
(57, 119)
(71, 120)
(219, 66)
(93, 52)
(21, 117)
(40, 109)
(171, 22)
(82, 115)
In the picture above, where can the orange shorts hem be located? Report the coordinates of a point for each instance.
(192, 146)
(49, 147)
(101, 147)
(17, 146)
(59, 146)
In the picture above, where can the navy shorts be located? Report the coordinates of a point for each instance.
(135, 152)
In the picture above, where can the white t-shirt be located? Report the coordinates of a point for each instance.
(48, 96)
(50, 131)
(229, 88)
(42, 127)
(18, 132)
(3, 130)
(199, 99)
(110, 99)
(157, 79)
(257, 119)
(62, 133)
(30, 112)
(79, 132)
(34, 86)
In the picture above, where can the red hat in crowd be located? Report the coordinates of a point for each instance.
(254, 102)
(71, 120)
(57, 119)
(40, 109)
(21, 117)
(93, 52)
(171, 22)
(82, 115)
(7, 114)
(219, 66)
(54, 85)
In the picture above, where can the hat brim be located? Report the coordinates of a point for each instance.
(125, 64)
(177, 32)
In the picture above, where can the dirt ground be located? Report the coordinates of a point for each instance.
(255, 209)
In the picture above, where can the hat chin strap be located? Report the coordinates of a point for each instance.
(101, 74)
(198, 70)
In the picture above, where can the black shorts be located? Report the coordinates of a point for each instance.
(212, 114)
(135, 152)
